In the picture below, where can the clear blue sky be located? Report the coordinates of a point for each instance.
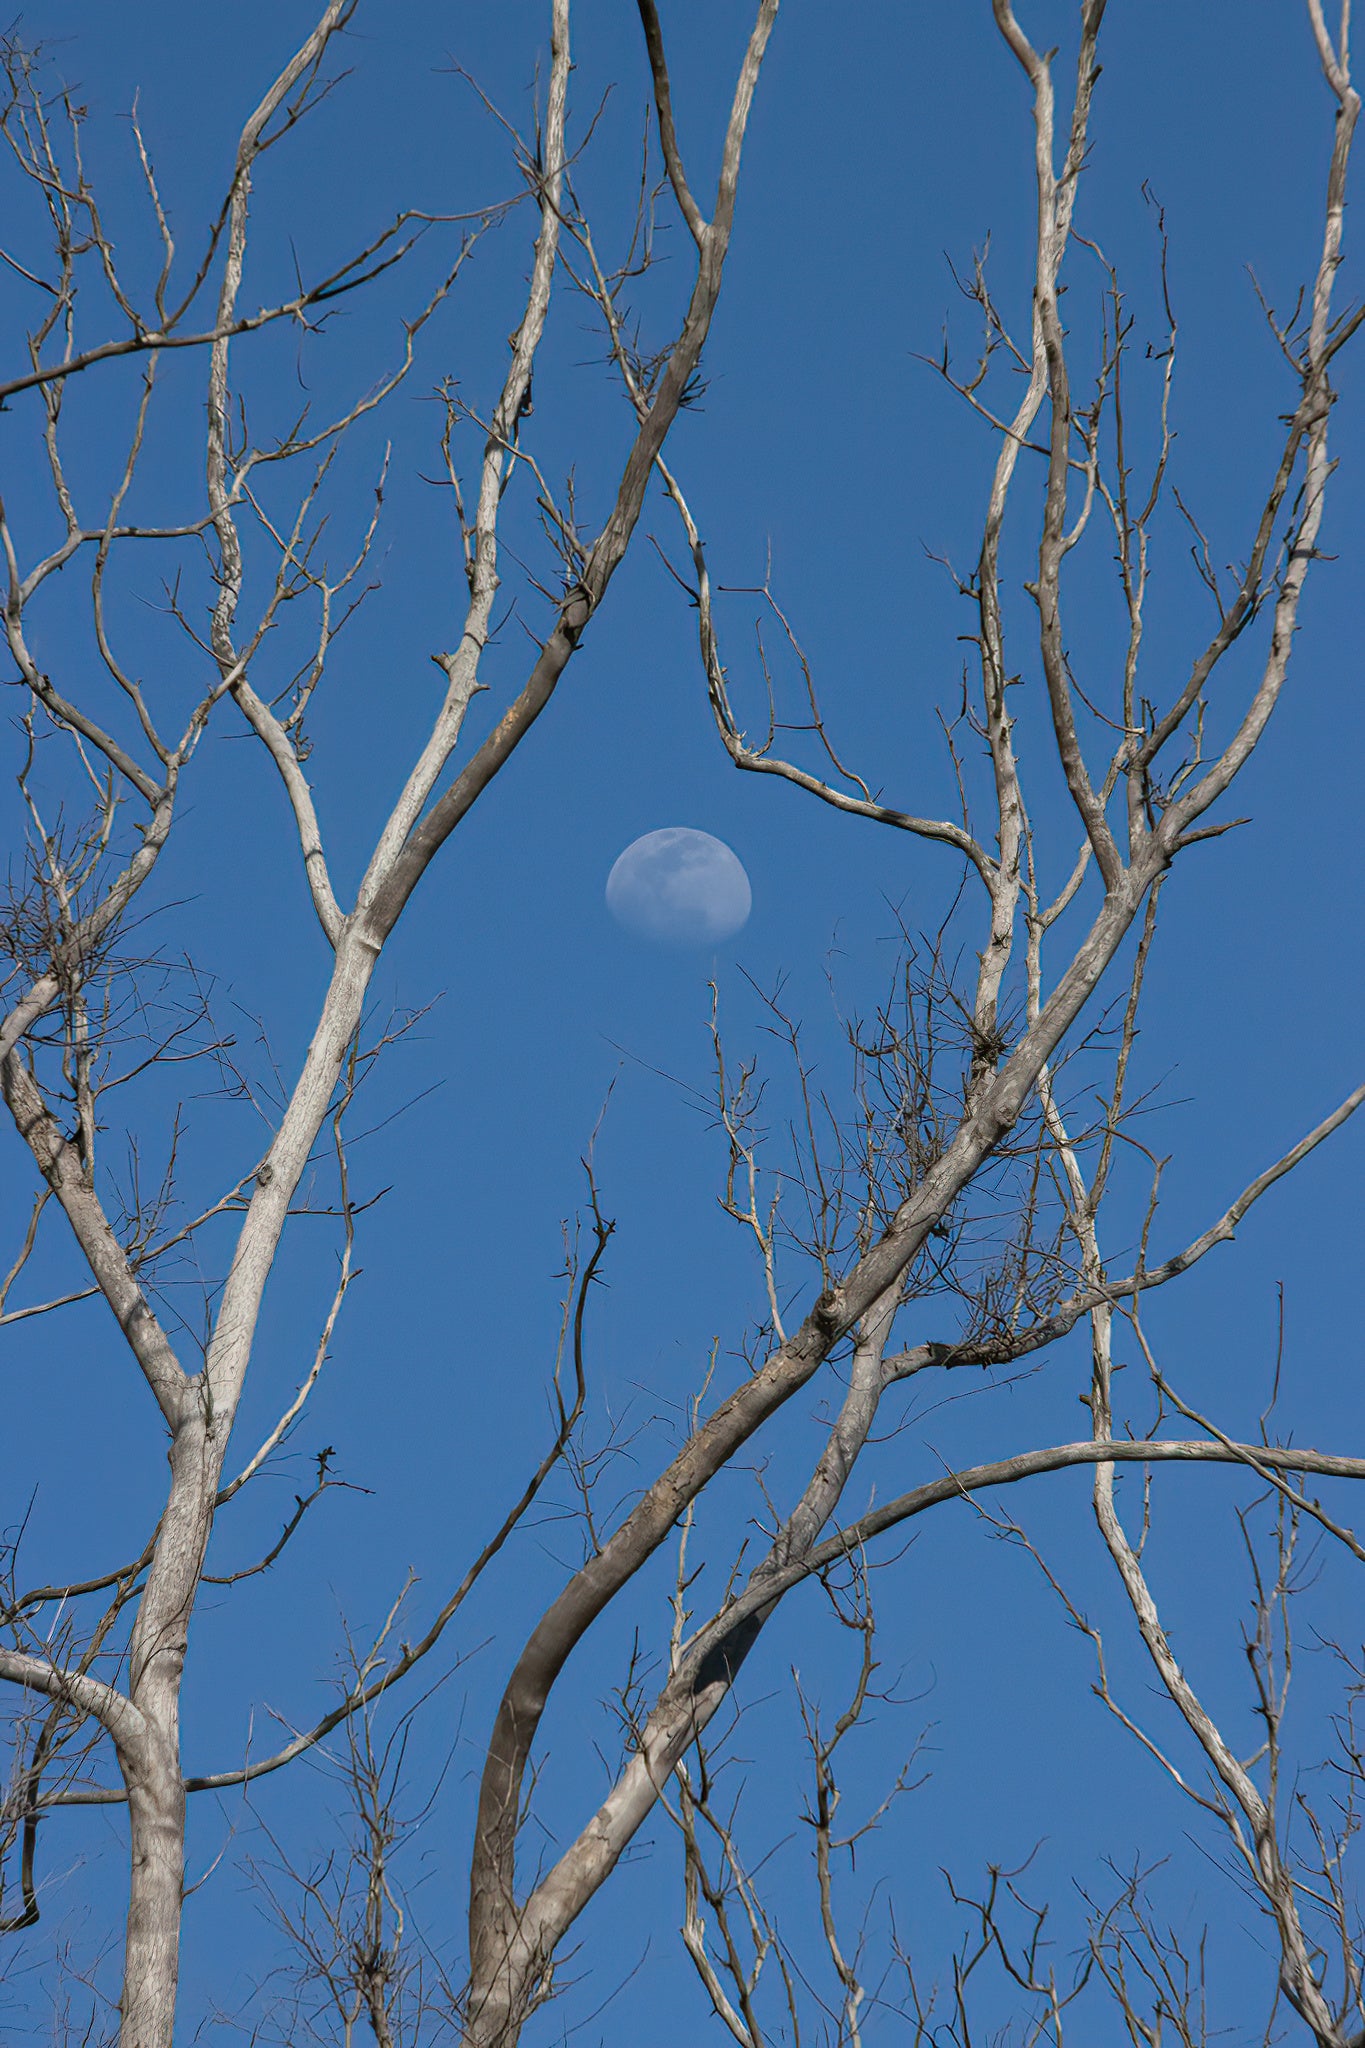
(886, 139)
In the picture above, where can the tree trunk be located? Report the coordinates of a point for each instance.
(156, 1809)
(155, 1781)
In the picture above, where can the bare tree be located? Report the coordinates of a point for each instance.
(81, 880)
(1164, 804)
(956, 1181)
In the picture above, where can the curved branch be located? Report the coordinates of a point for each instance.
(104, 1703)
(1018, 1344)
(61, 1166)
(697, 225)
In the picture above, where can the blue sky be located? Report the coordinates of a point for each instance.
(886, 140)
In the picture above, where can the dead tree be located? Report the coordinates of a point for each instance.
(1152, 797)
(957, 1180)
(135, 747)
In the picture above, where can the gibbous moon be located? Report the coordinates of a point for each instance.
(679, 886)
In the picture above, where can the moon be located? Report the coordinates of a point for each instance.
(679, 887)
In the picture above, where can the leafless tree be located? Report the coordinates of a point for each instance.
(75, 894)
(956, 1183)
